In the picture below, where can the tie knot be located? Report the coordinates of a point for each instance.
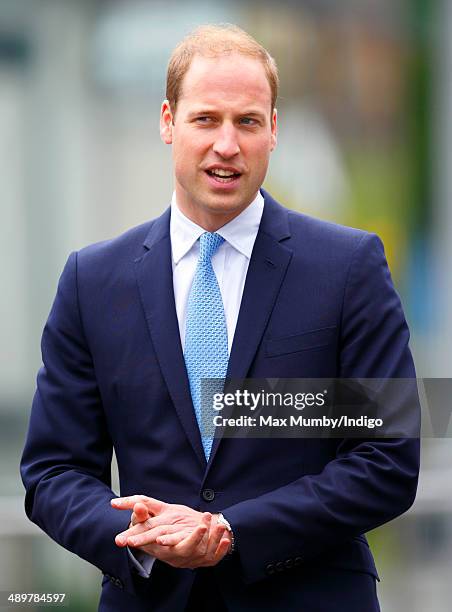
(208, 244)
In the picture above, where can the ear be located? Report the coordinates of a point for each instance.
(274, 129)
(166, 123)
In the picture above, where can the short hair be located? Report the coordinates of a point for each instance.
(214, 40)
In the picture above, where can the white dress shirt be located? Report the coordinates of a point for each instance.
(230, 263)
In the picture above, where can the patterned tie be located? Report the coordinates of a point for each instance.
(206, 338)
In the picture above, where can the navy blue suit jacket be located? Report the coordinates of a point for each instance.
(318, 303)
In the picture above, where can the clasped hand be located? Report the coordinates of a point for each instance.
(173, 533)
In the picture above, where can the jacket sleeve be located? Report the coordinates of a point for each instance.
(369, 482)
(66, 463)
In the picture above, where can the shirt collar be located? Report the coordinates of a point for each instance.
(240, 233)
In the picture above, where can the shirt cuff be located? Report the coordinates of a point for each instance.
(141, 561)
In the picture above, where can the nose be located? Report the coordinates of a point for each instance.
(226, 143)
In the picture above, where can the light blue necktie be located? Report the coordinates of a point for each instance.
(206, 337)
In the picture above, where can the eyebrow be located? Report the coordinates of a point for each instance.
(211, 111)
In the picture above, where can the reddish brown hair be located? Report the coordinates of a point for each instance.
(214, 41)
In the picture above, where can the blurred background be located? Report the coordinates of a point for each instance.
(365, 139)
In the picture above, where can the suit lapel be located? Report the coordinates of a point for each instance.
(266, 271)
(155, 281)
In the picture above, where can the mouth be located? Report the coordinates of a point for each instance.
(222, 176)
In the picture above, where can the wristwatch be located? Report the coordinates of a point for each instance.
(223, 521)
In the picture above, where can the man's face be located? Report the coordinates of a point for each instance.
(222, 135)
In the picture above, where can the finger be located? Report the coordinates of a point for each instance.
(210, 559)
(215, 536)
(175, 534)
(203, 555)
(207, 520)
(222, 549)
(167, 531)
(168, 518)
(121, 538)
(152, 533)
(149, 536)
(171, 539)
(154, 506)
(189, 544)
(124, 502)
(155, 549)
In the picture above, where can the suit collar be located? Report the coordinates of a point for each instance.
(274, 222)
(159, 230)
(275, 219)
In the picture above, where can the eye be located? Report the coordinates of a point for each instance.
(203, 119)
(248, 121)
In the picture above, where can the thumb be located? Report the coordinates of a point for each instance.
(140, 513)
(154, 506)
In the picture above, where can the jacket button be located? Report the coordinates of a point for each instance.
(208, 495)
(288, 563)
(118, 583)
(280, 566)
(270, 569)
(298, 561)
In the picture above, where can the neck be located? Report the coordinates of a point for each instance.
(209, 219)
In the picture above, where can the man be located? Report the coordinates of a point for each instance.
(225, 283)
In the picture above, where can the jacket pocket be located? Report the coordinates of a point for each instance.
(312, 339)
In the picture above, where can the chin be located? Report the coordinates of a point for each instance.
(227, 210)
(221, 204)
